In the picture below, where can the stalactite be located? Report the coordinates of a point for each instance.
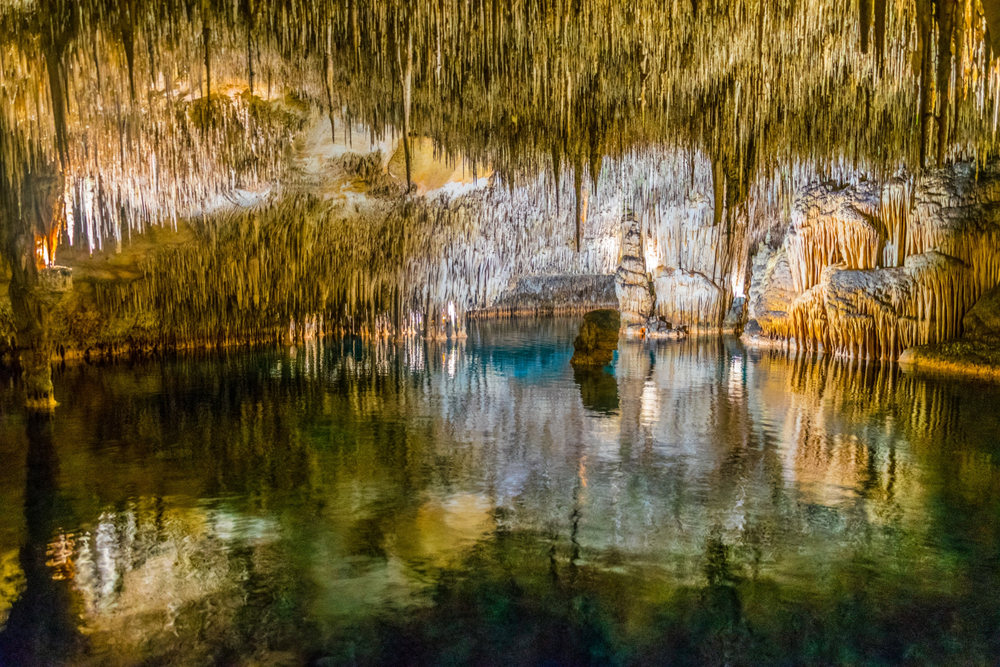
(330, 110)
(946, 35)
(406, 84)
(248, 9)
(926, 108)
(864, 22)
(126, 25)
(206, 36)
(718, 190)
(880, 17)
(671, 62)
(578, 192)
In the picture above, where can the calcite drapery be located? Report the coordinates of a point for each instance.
(876, 271)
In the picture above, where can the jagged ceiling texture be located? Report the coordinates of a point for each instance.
(115, 92)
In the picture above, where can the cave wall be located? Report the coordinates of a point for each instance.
(853, 267)
(338, 245)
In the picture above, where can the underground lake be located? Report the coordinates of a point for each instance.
(480, 502)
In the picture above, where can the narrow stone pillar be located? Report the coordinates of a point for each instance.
(35, 289)
(33, 301)
(636, 300)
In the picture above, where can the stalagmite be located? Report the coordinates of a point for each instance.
(631, 284)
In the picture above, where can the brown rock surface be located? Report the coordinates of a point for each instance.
(598, 339)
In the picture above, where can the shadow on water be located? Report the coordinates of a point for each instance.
(41, 627)
(460, 504)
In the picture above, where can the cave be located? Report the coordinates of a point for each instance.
(499, 332)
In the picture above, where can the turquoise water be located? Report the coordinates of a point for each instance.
(480, 503)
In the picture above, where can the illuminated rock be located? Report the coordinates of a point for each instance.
(771, 293)
(688, 299)
(872, 275)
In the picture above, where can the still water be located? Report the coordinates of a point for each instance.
(480, 503)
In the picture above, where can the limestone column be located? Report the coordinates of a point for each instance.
(635, 298)
(35, 288)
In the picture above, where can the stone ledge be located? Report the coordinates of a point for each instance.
(564, 293)
(967, 358)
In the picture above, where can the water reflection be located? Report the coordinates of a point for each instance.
(479, 502)
(40, 626)
(598, 389)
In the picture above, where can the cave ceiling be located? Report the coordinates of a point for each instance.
(147, 106)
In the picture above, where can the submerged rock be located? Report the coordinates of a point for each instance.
(598, 339)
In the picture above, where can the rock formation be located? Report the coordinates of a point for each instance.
(31, 213)
(976, 353)
(702, 134)
(553, 294)
(635, 298)
(874, 271)
(689, 298)
(736, 317)
(598, 339)
(982, 323)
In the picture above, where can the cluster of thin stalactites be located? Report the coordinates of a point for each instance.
(157, 109)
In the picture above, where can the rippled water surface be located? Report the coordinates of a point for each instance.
(480, 503)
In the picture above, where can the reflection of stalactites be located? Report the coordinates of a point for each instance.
(575, 517)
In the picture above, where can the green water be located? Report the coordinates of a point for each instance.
(480, 503)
